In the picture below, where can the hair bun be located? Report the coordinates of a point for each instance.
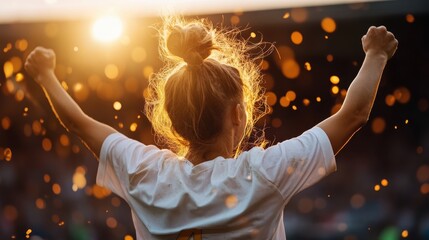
(192, 43)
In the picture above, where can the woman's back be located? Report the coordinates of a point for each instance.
(223, 198)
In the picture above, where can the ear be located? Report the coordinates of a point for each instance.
(236, 114)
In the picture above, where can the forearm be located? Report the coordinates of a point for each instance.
(40, 64)
(65, 108)
(363, 90)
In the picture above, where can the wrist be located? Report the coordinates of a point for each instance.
(45, 77)
(380, 55)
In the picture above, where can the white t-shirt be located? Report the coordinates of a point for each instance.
(240, 198)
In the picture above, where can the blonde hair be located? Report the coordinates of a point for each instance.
(205, 69)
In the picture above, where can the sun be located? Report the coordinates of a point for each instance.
(107, 28)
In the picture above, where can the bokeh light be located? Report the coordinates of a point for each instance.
(48, 174)
(107, 28)
(328, 25)
(296, 37)
(378, 125)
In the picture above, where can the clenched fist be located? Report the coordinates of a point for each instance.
(40, 63)
(379, 41)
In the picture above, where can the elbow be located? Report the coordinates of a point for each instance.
(75, 126)
(355, 120)
(360, 119)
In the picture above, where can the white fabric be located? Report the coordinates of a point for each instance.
(239, 198)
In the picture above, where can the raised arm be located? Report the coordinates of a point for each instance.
(40, 64)
(379, 46)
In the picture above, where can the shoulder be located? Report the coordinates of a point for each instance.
(120, 148)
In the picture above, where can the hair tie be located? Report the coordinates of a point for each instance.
(193, 59)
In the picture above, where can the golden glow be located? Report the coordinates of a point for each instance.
(424, 189)
(284, 53)
(56, 188)
(111, 222)
(5, 123)
(265, 65)
(290, 69)
(390, 100)
(328, 24)
(17, 64)
(377, 188)
(19, 77)
(271, 98)
(409, 18)
(46, 178)
(111, 71)
(81, 92)
(19, 95)
(299, 15)
(378, 125)
(64, 140)
(296, 37)
(107, 28)
(47, 144)
(286, 15)
(402, 95)
(65, 85)
(94, 82)
(147, 71)
(128, 237)
(7, 153)
(284, 102)
(21, 44)
(133, 127)
(335, 89)
(307, 66)
(37, 127)
(100, 192)
(230, 52)
(79, 180)
(235, 20)
(306, 101)
(116, 202)
(8, 69)
(117, 106)
(290, 95)
(404, 233)
(138, 54)
(51, 30)
(40, 203)
(334, 79)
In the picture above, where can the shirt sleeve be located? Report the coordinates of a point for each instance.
(298, 163)
(121, 158)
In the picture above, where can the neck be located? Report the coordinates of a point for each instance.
(222, 147)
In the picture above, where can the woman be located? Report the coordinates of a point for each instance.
(203, 105)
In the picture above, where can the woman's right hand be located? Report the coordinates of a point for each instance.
(379, 41)
(40, 63)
